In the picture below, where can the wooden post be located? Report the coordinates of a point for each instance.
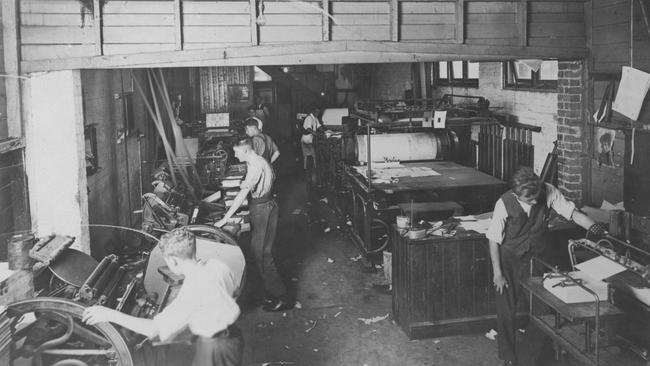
(325, 20)
(12, 67)
(253, 22)
(522, 22)
(97, 26)
(178, 25)
(394, 20)
(460, 21)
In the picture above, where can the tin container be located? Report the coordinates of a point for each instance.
(18, 251)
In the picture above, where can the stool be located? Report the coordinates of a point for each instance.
(431, 211)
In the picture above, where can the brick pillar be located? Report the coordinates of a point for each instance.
(571, 128)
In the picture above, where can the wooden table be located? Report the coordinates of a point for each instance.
(442, 286)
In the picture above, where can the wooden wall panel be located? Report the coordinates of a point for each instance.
(360, 21)
(136, 26)
(423, 21)
(611, 35)
(481, 26)
(214, 24)
(291, 22)
(556, 24)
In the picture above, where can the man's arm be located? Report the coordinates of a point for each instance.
(239, 199)
(275, 156)
(498, 279)
(100, 314)
(582, 220)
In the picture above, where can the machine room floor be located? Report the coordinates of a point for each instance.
(335, 293)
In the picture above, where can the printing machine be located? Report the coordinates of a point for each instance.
(379, 134)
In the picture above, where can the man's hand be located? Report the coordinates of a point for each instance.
(220, 223)
(98, 314)
(500, 282)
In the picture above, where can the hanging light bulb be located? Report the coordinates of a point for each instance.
(261, 19)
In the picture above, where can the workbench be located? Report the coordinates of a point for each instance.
(574, 327)
(375, 206)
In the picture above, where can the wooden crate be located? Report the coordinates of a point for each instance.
(442, 286)
(15, 286)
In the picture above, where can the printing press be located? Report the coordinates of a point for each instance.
(416, 169)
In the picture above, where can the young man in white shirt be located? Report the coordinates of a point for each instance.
(515, 234)
(310, 126)
(204, 305)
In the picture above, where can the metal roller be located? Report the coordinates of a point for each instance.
(413, 146)
(105, 278)
(111, 286)
(86, 292)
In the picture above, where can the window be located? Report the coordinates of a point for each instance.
(530, 75)
(455, 73)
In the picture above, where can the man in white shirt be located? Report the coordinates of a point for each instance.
(515, 233)
(204, 305)
(310, 126)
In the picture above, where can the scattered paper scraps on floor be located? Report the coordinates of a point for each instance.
(373, 320)
(298, 305)
(378, 266)
(356, 259)
(522, 331)
(315, 349)
(349, 223)
(294, 279)
(287, 346)
(324, 200)
(330, 260)
(436, 341)
(296, 211)
(277, 363)
(284, 315)
(491, 335)
(337, 314)
(327, 230)
(313, 325)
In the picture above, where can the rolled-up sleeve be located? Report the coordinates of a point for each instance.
(175, 317)
(559, 203)
(498, 224)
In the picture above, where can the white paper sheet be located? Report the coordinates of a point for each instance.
(631, 92)
(600, 268)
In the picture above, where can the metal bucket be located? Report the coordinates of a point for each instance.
(18, 251)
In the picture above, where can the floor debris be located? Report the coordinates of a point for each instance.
(312, 326)
(298, 305)
(337, 314)
(373, 320)
(330, 260)
(277, 363)
(491, 334)
(357, 258)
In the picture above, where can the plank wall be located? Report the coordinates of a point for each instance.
(57, 29)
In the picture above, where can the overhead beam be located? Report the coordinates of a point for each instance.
(253, 22)
(11, 52)
(295, 53)
(394, 20)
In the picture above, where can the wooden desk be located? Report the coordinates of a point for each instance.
(442, 286)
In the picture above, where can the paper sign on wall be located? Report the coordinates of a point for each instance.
(439, 119)
(427, 119)
(217, 120)
(631, 92)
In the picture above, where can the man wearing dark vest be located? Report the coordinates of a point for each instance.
(515, 234)
(263, 144)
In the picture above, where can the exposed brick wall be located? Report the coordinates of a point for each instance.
(570, 128)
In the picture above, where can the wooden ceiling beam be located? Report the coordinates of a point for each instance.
(308, 53)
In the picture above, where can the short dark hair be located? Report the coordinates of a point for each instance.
(244, 142)
(525, 183)
(251, 108)
(179, 243)
(251, 122)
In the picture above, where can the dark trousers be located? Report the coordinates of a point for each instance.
(222, 350)
(264, 223)
(515, 268)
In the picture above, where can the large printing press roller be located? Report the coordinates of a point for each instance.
(410, 146)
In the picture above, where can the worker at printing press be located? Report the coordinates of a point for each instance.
(259, 110)
(515, 233)
(204, 304)
(262, 143)
(264, 221)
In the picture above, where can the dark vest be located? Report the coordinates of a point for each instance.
(268, 143)
(523, 233)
